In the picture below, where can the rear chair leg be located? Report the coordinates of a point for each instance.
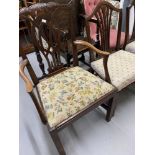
(68, 60)
(57, 142)
(111, 109)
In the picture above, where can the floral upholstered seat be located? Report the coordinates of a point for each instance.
(69, 92)
(121, 68)
(130, 47)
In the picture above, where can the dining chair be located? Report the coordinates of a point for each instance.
(89, 6)
(61, 94)
(130, 28)
(117, 68)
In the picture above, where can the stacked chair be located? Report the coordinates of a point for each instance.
(63, 94)
(130, 28)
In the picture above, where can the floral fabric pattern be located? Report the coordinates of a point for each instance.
(121, 67)
(130, 47)
(70, 91)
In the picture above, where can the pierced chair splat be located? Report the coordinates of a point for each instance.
(106, 31)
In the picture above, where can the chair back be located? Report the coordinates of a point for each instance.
(75, 11)
(90, 5)
(130, 23)
(102, 16)
(46, 36)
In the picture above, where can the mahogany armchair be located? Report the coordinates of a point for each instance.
(108, 36)
(130, 28)
(62, 94)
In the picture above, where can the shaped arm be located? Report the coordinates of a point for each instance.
(85, 43)
(28, 83)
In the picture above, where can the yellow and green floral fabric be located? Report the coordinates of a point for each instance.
(69, 92)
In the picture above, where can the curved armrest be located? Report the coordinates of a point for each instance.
(85, 43)
(28, 83)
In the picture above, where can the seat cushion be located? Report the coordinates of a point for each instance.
(121, 67)
(130, 47)
(69, 92)
(113, 38)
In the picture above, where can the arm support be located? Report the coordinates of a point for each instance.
(28, 83)
(84, 43)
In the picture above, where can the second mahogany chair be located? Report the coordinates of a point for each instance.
(117, 68)
(61, 95)
(90, 5)
(108, 35)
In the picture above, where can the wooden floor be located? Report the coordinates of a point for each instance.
(90, 135)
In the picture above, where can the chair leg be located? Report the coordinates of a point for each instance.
(68, 59)
(57, 142)
(83, 57)
(111, 109)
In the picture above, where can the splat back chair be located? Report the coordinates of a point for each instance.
(89, 6)
(130, 28)
(108, 36)
(61, 95)
(77, 23)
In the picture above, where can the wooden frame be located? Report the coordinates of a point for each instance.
(77, 23)
(25, 44)
(103, 25)
(105, 55)
(39, 17)
(129, 38)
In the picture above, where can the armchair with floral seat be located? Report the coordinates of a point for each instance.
(61, 94)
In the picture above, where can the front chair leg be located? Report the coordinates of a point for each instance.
(111, 109)
(57, 142)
